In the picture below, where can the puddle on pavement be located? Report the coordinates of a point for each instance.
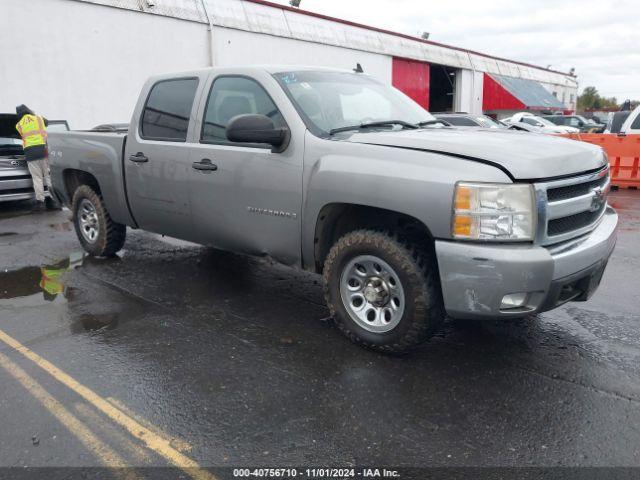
(82, 306)
(45, 279)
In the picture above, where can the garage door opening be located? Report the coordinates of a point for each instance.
(442, 81)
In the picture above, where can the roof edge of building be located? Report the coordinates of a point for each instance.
(402, 35)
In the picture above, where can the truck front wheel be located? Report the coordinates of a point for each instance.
(99, 235)
(383, 293)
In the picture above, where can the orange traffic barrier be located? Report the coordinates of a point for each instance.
(623, 152)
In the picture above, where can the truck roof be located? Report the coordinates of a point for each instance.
(247, 69)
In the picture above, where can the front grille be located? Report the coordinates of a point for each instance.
(562, 225)
(571, 207)
(570, 191)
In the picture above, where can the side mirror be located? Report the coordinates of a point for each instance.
(253, 128)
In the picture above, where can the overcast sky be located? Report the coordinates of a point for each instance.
(600, 38)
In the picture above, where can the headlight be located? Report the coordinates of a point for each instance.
(489, 211)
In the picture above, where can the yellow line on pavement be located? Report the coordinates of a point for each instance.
(104, 453)
(140, 456)
(153, 441)
(180, 445)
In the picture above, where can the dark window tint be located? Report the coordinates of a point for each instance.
(617, 121)
(556, 120)
(460, 121)
(166, 114)
(531, 121)
(231, 96)
(636, 123)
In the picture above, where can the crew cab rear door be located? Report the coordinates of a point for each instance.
(249, 197)
(157, 160)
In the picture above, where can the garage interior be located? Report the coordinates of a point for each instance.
(442, 80)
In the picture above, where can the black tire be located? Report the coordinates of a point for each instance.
(111, 235)
(418, 274)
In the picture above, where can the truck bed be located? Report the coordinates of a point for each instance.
(98, 153)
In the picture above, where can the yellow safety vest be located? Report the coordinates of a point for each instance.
(50, 280)
(32, 131)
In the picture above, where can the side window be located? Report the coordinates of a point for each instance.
(231, 96)
(574, 122)
(636, 123)
(168, 108)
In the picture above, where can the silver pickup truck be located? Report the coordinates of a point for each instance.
(332, 171)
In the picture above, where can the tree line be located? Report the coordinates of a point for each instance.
(590, 99)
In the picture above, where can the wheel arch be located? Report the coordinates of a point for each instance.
(74, 178)
(337, 219)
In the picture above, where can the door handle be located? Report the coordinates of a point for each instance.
(205, 165)
(138, 158)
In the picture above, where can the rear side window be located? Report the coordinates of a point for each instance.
(460, 121)
(636, 123)
(168, 108)
(231, 96)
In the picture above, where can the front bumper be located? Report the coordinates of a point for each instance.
(476, 277)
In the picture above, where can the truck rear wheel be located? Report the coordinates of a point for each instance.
(383, 293)
(99, 235)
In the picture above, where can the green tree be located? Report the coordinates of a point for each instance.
(589, 99)
(592, 100)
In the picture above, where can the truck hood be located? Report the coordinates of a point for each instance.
(523, 155)
(8, 125)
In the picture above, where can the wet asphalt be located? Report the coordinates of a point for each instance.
(235, 361)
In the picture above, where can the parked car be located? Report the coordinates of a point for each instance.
(468, 120)
(632, 122)
(337, 173)
(616, 120)
(539, 124)
(523, 127)
(15, 179)
(582, 124)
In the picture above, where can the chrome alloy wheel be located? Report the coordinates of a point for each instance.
(88, 221)
(372, 294)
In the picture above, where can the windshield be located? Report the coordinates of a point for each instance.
(584, 120)
(332, 100)
(545, 122)
(487, 122)
(537, 121)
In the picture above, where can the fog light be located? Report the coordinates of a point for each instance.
(514, 300)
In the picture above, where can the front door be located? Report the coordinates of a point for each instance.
(245, 197)
(158, 160)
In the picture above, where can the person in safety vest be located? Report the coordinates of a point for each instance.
(32, 129)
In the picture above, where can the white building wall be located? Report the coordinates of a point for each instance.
(238, 47)
(87, 62)
(566, 94)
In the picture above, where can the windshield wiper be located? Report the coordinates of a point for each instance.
(382, 123)
(433, 122)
